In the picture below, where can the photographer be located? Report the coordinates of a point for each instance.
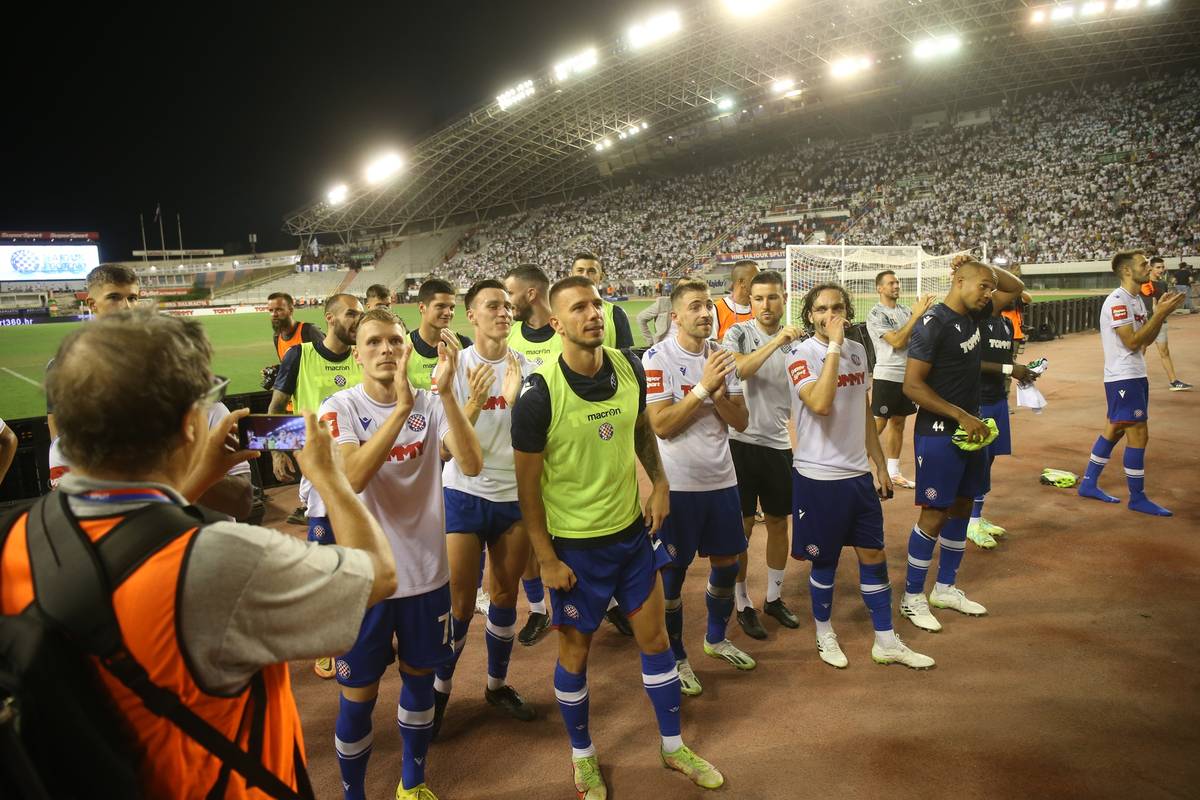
(201, 612)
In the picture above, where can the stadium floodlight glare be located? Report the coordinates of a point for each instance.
(845, 67)
(384, 167)
(1059, 13)
(936, 47)
(725, 103)
(748, 8)
(575, 65)
(1092, 9)
(645, 125)
(516, 94)
(782, 86)
(1038, 17)
(337, 194)
(1152, 3)
(654, 29)
(1125, 5)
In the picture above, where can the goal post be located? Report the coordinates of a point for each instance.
(855, 268)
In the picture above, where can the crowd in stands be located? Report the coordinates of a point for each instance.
(1059, 176)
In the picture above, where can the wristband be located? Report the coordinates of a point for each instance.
(1006, 369)
(699, 391)
(835, 348)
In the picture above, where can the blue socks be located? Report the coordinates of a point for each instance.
(820, 590)
(415, 717)
(1135, 476)
(661, 679)
(352, 739)
(719, 599)
(445, 673)
(499, 634)
(877, 594)
(535, 593)
(572, 694)
(1101, 451)
(672, 588)
(952, 543)
(920, 556)
(977, 509)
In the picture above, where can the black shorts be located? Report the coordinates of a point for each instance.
(888, 400)
(764, 475)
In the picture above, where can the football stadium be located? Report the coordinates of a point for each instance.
(403, 506)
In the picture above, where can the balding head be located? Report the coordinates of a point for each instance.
(122, 387)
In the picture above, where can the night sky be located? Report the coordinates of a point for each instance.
(234, 115)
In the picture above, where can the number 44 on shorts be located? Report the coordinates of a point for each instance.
(938, 426)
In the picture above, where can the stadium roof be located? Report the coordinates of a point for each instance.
(540, 140)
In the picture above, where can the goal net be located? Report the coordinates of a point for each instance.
(855, 268)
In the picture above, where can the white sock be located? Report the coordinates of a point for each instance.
(823, 627)
(671, 744)
(442, 686)
(886, 638)
(909, 596)
(538, 608)
(774, 584)
(943, 587)
(495, 683)
(588, 752)
(612, 603)
(741, 596)
(893, 466)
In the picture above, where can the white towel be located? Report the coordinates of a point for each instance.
(1030, 396)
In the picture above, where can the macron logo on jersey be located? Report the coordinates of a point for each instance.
(798, 370)
(1119, 313)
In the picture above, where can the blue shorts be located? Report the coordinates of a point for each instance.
(830, 515)
(487, 519)
(704, 523)
(1128, 400)
(320, 531)
(421, 627)
(1002, 445)
(625, 567)
(945, 472)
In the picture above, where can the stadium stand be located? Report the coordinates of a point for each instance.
(1058, 176)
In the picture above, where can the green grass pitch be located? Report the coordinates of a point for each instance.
(241, 342)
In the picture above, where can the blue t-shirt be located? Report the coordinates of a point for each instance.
(997, 343)
(951, 343)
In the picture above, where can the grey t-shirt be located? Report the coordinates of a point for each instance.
(252, 596)
(889, 362)
(768, 392)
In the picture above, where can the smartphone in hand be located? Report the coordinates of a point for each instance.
(271, 432)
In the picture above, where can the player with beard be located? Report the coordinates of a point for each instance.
(617, 333)
(390, 437)
(890, 326)
(308, 375)
(534, 338)
(836, 502)
(693, 397)
(1125, 330)
(942, 377)
(286, 334)
(435, 302)
(762, 454)
(578, 427)
(482, 509)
